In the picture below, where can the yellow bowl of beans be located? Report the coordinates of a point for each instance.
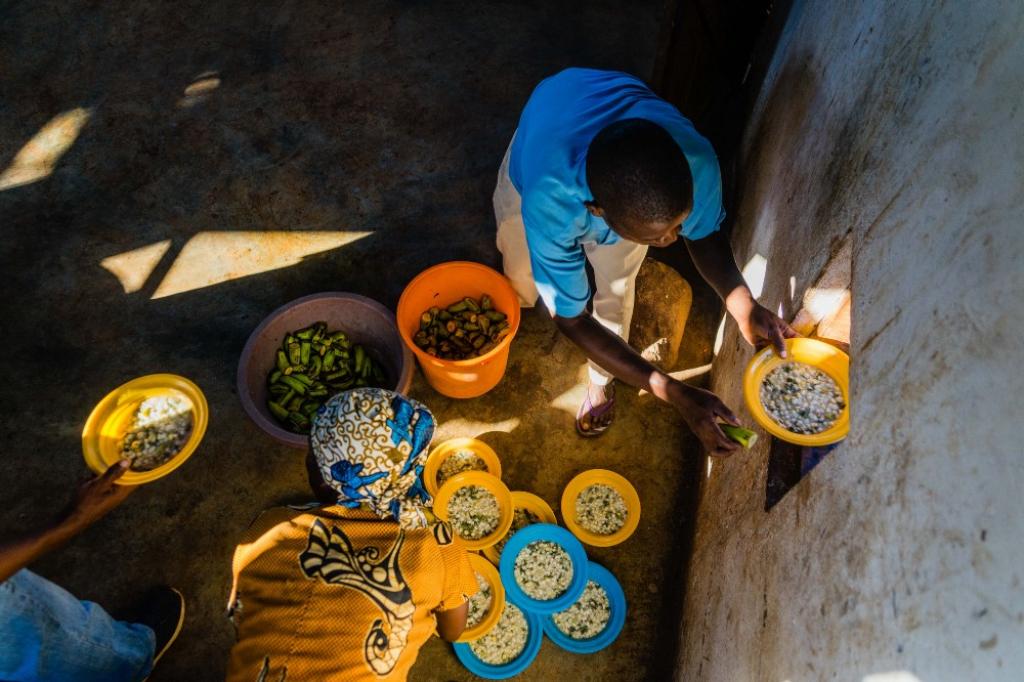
(601, 508)
(803, 398)
(155, 421)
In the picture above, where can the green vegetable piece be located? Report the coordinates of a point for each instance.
(294, 384)
(328, 363)
(295, 404)
(495, 316)
(426, 319)
(334, 376)
(744, 437)
(282, 361)
(315, 365)
(471, 304)
(444, 316)
(457, 307)
(274, 376)
(305, 334)
(277, 410)
(287, 397)
(304, 351)
(278, 389)
(310, 407)
(295, 354)
(304, 378)
(360, 359)
(298, 418)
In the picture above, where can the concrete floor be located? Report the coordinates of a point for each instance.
(191, 126)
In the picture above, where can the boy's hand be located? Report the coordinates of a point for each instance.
(759, 326)
(99, 495)
(702, 410)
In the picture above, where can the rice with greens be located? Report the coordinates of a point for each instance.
(458, 462)
(520, 519)
(506, 640)
(159, 429)
(600, 509)
(588, 617)
(473, 512)
(801, 398)
(479, 603)
(543, 570)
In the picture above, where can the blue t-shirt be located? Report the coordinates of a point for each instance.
(548, 167)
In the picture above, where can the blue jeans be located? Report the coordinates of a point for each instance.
(48, 634)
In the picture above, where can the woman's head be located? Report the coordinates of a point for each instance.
(640, 180)
(368, 448)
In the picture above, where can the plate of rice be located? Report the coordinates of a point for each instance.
(802, 398)
(508, 648)
(478, 507)
(155, 422)
(544, 568)
(594, 620)
(486, 605)
(528, 509)
(601, 508)
(455, 456)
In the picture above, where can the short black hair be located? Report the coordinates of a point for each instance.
(637, 173)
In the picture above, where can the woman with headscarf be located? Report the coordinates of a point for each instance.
(349, 589)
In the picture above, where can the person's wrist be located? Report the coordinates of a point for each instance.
(740, 303)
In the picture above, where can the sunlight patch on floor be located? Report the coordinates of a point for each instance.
(38, 158)
(211, 258)
(133, 268)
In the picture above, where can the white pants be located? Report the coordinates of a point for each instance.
(615, 266)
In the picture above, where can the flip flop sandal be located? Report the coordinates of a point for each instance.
(587, 408)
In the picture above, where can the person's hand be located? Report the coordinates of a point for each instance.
(99, 495)
(702, 411)
(761, 327)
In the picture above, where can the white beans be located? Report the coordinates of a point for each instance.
(159, 430)
(801, 399)
(588, 617)
(506, 640)
(543, 570)
(479, 603)
(457, 462)
(473, 512)
(601, 509)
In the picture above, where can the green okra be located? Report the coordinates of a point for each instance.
(486, 303)
(304, 378)
(359, 359)
(457, 307)
(294, 384)
(495, 316)
(304, 350)
(315, 365)
(744, 437)
(277, 410)
(309, 408)
(294, 353)
(328, 362)
(278, 389)
(274, 376)
(282, 361)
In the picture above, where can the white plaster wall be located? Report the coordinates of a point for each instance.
(901, 123)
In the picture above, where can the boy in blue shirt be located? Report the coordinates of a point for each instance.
(599, 169)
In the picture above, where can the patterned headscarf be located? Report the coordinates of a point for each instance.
(371, 445)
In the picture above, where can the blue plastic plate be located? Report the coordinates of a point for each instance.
(617, 598)
(559, 536)
(501, 672)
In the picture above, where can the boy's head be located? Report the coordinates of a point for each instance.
(640, 181)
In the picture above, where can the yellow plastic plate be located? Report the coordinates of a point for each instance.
(609, 478)
(450, 447)
(484, 480)
(819, 354)
(110, 419)
(489, 573)
(530, 502)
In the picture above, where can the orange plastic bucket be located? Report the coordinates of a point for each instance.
(441, 286)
